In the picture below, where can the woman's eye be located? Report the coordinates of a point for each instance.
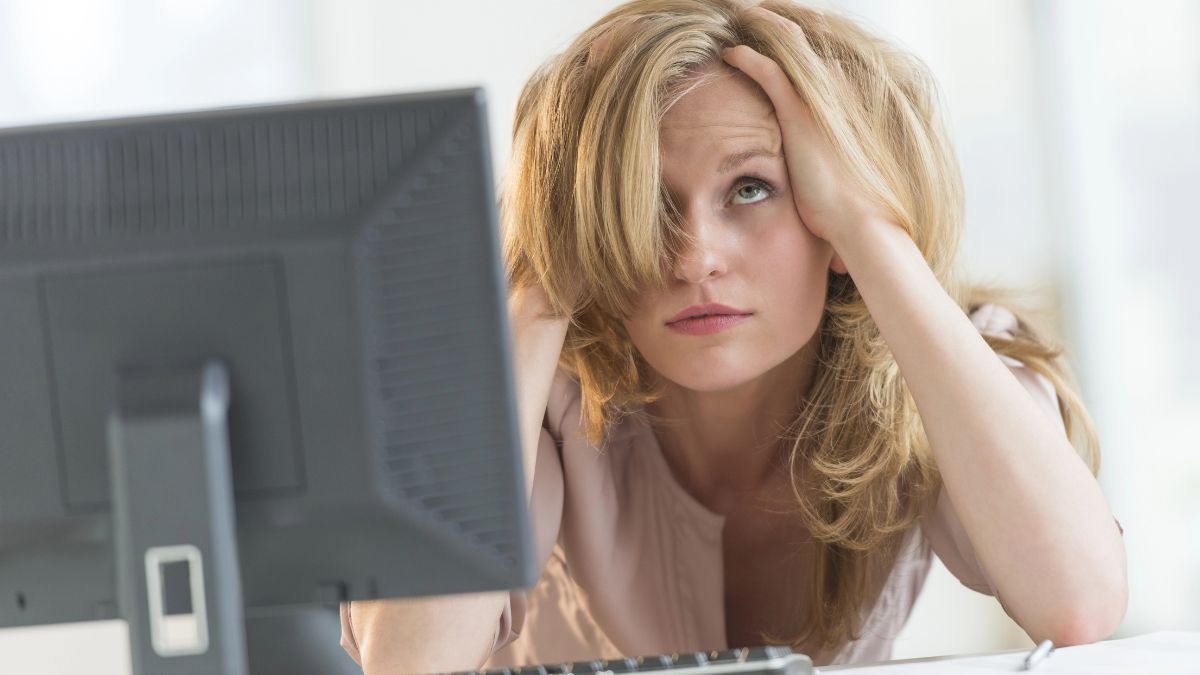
(754, 191)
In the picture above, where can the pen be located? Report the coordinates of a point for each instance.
(1039, 654)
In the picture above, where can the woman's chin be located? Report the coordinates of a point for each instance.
(711, 379)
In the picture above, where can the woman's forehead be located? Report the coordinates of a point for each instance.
(730, 99)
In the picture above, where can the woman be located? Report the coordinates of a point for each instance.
(782, 468)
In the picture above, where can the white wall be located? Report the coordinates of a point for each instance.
(81, 59)
(1121, 110)
(375, 46)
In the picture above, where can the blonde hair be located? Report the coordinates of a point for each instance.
(585, 215)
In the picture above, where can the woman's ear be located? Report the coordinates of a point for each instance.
(837, 265)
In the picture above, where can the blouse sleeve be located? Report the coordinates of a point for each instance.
(942, 527)
(545, 508)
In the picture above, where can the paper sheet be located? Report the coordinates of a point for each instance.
(1161, 653)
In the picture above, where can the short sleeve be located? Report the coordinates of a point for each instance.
(942, 527)
(511, 621)
(349, 643)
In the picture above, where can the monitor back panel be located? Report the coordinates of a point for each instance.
(342, 258)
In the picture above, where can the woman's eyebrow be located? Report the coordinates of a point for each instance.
(735, 160)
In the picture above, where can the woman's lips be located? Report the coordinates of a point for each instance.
(706, 325)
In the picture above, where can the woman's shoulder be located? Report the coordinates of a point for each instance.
(995, 320)
(998, 321)
(563, 406)
(597, 477)
(564, 418)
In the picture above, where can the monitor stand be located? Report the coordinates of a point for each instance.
(175, 539)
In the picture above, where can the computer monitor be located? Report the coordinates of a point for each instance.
(253, 362)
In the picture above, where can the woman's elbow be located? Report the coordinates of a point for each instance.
(1093, 620)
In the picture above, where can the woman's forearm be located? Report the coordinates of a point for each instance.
(426, 635)
(537, 342)
(1034, 513)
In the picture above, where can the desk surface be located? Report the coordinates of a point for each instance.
(923, 659)
(1162, 653)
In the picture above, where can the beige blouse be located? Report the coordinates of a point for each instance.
(634, 563)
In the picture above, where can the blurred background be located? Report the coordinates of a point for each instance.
(1077, 124)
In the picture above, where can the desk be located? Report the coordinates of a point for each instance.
(1160, 653)
(925, 659)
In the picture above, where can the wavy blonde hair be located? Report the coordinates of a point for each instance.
(585, 214)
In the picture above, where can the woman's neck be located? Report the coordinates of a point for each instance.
(724, 447)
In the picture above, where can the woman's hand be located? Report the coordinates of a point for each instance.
(827, 199)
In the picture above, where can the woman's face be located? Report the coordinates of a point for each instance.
(752, 252)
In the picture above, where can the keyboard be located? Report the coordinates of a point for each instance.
(744, 661)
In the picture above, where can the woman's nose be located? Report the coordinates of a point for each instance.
(704, 259)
